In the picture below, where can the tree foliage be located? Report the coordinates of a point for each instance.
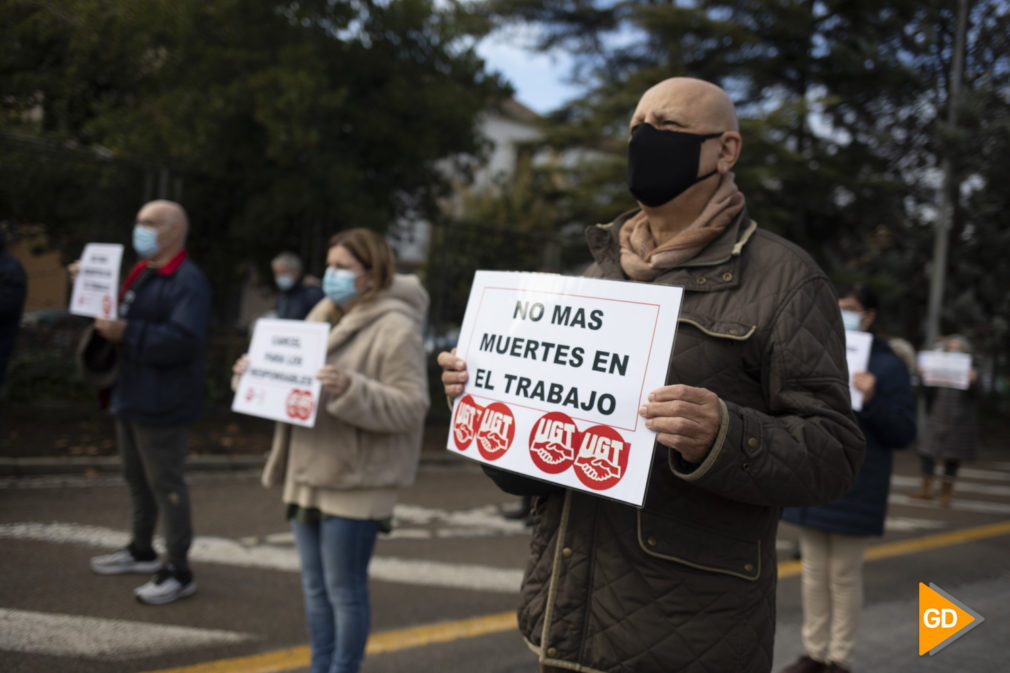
(843, 107)
(279, 122)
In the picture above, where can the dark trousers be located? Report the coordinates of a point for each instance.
(154, 465)
(928, 464)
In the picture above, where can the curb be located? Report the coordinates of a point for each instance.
(59, 465)
(55, 465)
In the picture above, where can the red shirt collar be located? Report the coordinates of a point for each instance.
(165, 270)
(173, 264)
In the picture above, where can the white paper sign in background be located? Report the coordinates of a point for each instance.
(280, 382)
(945, 370)
(857, 355)
(558, 368)
(96, 288)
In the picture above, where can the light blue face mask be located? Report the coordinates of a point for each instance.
(338, 285)
(851, 320)
(284, 283)
(145, 241)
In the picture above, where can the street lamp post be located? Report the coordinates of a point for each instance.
(945, 222)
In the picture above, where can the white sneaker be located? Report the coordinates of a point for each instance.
(165, 587)
(121, 562)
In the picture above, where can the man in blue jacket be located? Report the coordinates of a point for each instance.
(164, 314)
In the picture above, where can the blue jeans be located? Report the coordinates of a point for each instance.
(334, 554)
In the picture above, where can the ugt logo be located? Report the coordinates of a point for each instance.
(496, 431)
(465, 422)
(942, 619)
(300, 404)
(602, 459)
(553, 440)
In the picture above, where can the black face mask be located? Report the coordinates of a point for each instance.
(662, 164)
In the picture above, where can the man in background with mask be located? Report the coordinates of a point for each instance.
(295, 298)
(755, 416)
(164, 315)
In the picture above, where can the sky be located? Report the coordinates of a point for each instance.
(537, 78)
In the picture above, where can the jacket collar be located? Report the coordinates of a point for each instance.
(173, 264)
(165, 270)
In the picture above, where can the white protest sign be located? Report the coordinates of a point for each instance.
(857, 355)
(940, 369)
(96, 288)
(280, 382)
(558, 368)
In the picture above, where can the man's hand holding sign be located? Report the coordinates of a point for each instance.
(686, 419)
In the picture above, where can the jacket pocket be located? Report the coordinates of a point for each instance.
(699, 547)
(720, 328)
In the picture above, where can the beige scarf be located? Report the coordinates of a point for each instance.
(643, 260)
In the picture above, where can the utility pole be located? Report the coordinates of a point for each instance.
(946, 221)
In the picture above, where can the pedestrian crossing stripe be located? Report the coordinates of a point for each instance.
(224, 551)
(98, 638)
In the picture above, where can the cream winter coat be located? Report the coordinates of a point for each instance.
(370, 436)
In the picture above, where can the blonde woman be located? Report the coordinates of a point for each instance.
(341, 477)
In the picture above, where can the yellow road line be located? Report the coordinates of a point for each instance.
(902, 547)
(935, 541)
(277, 661)
(389, 641)
(281, 661)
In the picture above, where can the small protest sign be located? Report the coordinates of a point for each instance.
(96, 288)
(941, 369)
(280, 382)
(558, 368)
(857, 355)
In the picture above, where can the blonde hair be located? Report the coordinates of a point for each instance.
(374, 254)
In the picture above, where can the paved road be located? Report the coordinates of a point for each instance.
(443, 584)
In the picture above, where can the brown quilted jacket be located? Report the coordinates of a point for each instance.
(687, 584)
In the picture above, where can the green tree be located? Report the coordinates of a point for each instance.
(278, 122)
(509, 224)
(842, 106)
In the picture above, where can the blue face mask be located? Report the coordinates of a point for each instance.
(338, 285)
(284, 283)
(145, 241)
(851, 320)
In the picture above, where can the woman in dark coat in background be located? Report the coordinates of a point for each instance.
(834, 536)
(951, 429)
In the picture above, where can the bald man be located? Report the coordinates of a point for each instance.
(164, 314)
(756, 415)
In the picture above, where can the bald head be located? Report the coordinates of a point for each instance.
(169, 219)
(162, 212)
(687, 104)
